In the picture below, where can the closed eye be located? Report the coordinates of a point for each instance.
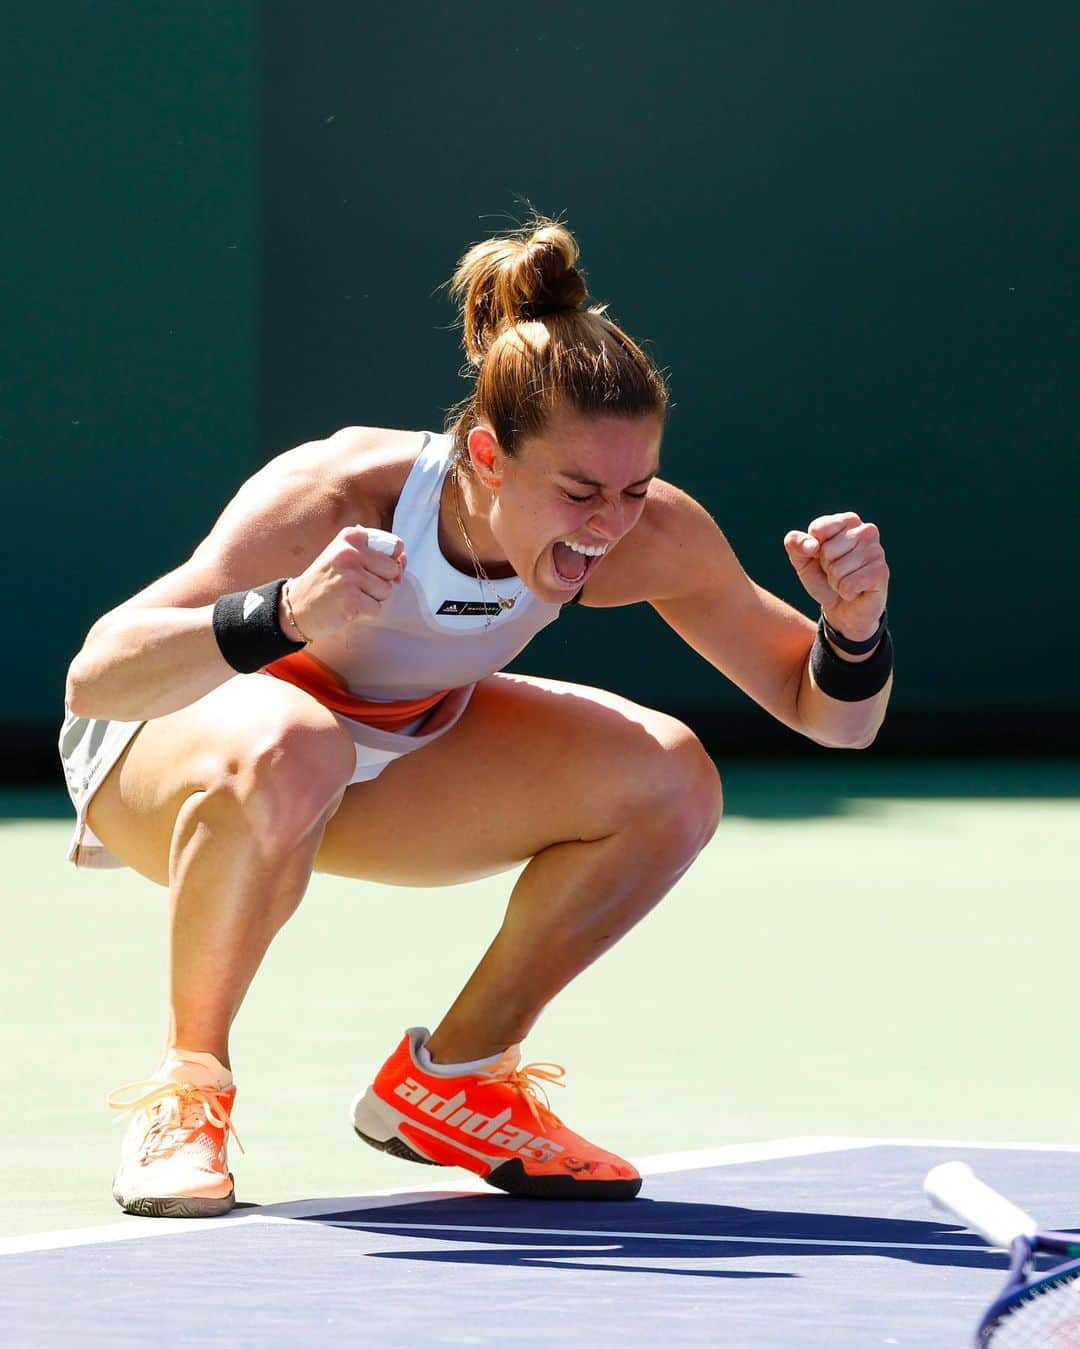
(636, 496)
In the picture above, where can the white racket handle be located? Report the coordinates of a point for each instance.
(954, 1186)
(382, 542)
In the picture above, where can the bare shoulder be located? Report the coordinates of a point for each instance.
(672, 548)
(367, 466)
(355, 476)
(286, 513)
(309, 493)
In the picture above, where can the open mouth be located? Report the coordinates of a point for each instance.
(572, 562)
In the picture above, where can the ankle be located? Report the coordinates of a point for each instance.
(465, 1054)
(188, 1043)
(200, 1066)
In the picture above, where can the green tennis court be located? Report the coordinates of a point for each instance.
(869, 946)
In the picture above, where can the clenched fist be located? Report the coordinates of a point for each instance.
(841, 563)
(347, 583)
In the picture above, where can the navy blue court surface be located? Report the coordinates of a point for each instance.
(802, 1242)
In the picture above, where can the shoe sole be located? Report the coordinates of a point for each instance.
(514, 1179)
(375, 1123)
(176, 1206)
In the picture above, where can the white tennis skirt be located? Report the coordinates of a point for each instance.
(89, 749)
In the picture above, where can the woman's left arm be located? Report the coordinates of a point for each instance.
(688, 571)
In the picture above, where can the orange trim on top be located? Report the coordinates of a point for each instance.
(306, 673)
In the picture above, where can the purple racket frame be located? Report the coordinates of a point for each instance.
(1018, 1288)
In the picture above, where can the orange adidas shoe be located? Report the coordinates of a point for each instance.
(488, 1117)
(173, 1162)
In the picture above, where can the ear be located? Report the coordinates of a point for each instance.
(485, 456)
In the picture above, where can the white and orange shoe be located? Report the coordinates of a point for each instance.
(173, 1162)
(489, 1117)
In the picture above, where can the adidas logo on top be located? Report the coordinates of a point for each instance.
(497, 1129)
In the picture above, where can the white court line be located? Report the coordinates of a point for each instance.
(735, 1154)
(130, 1227)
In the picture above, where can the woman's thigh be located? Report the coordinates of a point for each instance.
(531, 763)
(251, 726)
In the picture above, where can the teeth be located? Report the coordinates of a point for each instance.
(589, 552)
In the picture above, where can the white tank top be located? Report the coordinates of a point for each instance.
(439, 628)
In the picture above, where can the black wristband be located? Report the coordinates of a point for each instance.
(850, 681)
(247, 629)
(852, 647)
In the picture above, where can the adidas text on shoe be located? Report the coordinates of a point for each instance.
(490, 1120)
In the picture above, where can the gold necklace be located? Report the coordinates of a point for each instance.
(482, 578)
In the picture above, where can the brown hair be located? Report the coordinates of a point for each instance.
(533, 344)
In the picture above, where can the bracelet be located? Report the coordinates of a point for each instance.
(848, 644)
(288, 609)
(246, 626)
(850, 681)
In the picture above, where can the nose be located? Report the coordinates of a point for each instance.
(608, 520)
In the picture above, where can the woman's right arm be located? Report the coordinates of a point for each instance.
(138, 663)
(157, 652)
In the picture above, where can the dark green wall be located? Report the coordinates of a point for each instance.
(848, 229)
(127, 406)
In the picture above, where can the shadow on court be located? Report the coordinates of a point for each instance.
(599, 1236)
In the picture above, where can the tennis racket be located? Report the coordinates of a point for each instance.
(1034, 1308)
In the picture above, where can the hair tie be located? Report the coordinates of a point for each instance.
(536, 309)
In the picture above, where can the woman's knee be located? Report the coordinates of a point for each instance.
(284, 779)
(678, 795)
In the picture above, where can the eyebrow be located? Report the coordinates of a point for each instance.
(591, 482)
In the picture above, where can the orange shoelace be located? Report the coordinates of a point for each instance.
(173, 1128)
(529, 1082)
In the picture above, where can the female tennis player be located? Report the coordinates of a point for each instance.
(318, 688)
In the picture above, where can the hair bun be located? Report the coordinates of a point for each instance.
(528, 274)
(535, 346)
(547, 280)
